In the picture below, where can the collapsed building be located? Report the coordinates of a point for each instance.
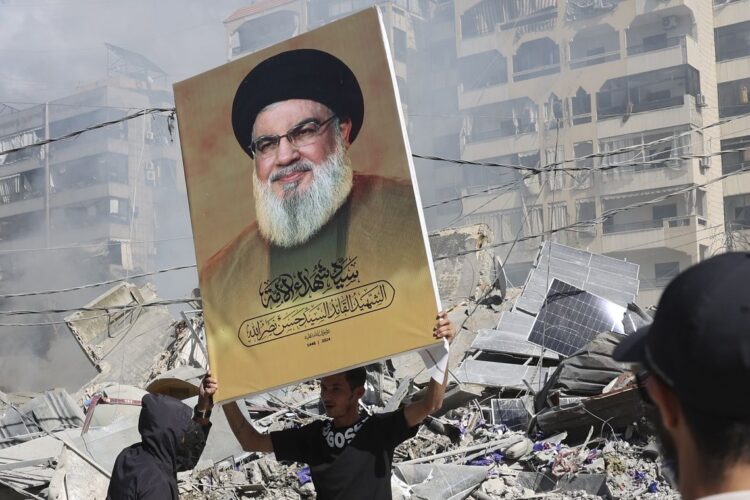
(535, 406)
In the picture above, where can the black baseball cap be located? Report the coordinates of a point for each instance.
(699, 342)
(297, 74)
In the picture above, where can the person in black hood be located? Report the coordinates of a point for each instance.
(172, 440)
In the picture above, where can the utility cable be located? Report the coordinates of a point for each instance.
(605, 214)
(93, 285)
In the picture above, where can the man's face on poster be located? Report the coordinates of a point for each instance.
(302, 174)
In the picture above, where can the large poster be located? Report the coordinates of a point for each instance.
(311, 248)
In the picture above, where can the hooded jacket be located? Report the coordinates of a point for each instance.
(170, 442)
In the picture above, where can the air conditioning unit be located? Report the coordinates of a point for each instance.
(700, 100)
(149, 136)
(705, 162)
(669, 22)
(151, 177)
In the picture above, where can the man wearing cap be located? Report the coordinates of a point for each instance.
(696, 355)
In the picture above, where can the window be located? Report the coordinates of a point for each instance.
(734, 98)
(399, 44)
(648, 91)
(732, 41)
(477, 178)
(536, 58)
(644, 152)
(737, 211)
(581, 107)
(583, 150)
(585, 210)
(553, 112)
(558, 215)
(482, 70)
(664, 212)
(731, 162)
(655, 42)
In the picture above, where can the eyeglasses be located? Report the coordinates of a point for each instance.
(302, 134)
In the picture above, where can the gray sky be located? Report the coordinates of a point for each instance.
(47, 47)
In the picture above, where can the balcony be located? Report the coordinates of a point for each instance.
(641, 60)
(681, 114)
(536, 58)
(536, 72)
(582, 62)
(661, 44)
(595, 45)
(673, 232)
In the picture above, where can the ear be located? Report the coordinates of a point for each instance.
(359, 392)
(666, 401)
(345, 125)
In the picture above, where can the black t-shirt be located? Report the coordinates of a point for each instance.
(354, 462)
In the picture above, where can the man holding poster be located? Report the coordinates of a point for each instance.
(349, 455)
(311, 246)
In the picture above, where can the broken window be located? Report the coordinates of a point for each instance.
(22, 186)
(585, 210)
(483, 70)
(732, 41)
(536, 58)
(733, 161)
(582, 151)
(481, 19)
(89, 171)
(595, 45)
(553, 112)
(737, 211)
(662, 212)
(648, 91)
(266, 30)
(655, 31)
(477, 178)
(581, 107)
(503, 119)
(555, 178)
(734, 98)
(558, 215)
(20, 140)
(645, 151)
(575, 11)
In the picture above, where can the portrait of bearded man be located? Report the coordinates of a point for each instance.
(296, 115)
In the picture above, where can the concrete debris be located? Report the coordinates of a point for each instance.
(518, 420)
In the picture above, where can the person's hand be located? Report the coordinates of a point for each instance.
(207, 389)
(444, 328)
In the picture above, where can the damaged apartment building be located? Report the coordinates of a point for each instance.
(642, 83)
(98, 192)
(528, 83)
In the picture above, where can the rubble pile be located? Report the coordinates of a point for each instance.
(519, 419)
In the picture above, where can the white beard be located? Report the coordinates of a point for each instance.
(296, 217)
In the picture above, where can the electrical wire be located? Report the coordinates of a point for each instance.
(605, 214)
(94, 285)
(142, 112)
(108, 309)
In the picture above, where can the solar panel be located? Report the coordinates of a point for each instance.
(570, 318)
(510, 412)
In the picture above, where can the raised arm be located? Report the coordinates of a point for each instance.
(249, 438)
(433, 400)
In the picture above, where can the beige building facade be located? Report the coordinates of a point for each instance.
(636, 81)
